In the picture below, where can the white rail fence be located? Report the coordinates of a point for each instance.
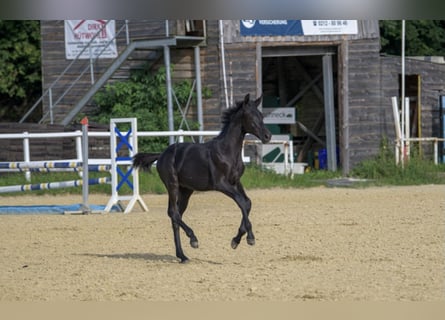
(27, 163)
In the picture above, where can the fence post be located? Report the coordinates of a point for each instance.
(26, 155)
(181, 136)
(50, 95)
(85, 173)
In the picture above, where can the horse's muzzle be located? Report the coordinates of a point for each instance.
(266, 136)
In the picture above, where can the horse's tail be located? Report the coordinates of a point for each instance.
(144, 161)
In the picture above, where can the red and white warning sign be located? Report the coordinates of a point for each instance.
(79, 34)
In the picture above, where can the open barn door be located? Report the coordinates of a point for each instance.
(305, 79)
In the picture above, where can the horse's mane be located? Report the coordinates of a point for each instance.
(228, 114)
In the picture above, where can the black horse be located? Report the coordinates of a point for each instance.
(213, 165)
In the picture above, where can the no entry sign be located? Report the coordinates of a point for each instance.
(79, 33)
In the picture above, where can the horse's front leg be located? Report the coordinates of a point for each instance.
(177, 238)
(238, 194)
(245, 226)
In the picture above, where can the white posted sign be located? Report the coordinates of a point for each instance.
(279, 115)
(329, 27)
(78, 34)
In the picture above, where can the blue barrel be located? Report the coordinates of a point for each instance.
(322, 159)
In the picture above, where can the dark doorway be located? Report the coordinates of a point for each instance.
(295, 77)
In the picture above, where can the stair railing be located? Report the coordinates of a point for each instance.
(77, 58)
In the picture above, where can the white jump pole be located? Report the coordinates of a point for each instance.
(407, 127)
(395, 111)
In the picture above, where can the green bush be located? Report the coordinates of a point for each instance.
(143, 96)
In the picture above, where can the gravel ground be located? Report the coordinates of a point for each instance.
(322, 244)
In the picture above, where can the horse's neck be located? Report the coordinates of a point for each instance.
(232, 141)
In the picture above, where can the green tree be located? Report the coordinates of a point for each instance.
(20, 67)
(422, 37)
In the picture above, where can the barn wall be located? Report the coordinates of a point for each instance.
(432, 86)
(368, 118)
(371, 79)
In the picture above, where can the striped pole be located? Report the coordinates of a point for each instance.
(40, 164)
(65, 167)
(53, 185)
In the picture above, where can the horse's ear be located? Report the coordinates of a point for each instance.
(258, 101)
(247, 98)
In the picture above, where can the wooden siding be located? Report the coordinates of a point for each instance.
(368, 122)
(371, 80)
(432, 86)
(54, 61)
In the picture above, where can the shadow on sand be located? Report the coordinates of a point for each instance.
(147, 257)
(135, 256)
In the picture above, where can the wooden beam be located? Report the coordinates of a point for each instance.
(310, 133)
(308, 143)
(300, 94)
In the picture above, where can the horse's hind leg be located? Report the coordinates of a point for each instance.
(183, 200)
(177, 203)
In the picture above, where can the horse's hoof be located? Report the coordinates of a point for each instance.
(234, 244)
(194, 244)
(251, 241)
(184, 260)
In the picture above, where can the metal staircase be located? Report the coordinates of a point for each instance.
(134, 54)
(147, 44)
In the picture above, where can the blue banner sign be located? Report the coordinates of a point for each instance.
(271, 27)
(297, 27)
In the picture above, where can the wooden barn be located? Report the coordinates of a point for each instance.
(325, 84)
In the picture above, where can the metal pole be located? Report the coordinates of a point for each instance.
(127, 32)
(328, 88)
(91, 65)
(85, 178)
(403, 92)
(223, 61)
(199, 90)
(168, 80)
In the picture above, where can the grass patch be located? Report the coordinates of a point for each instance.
(254, 177)
(382, 169)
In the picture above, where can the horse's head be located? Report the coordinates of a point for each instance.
(253, 119)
